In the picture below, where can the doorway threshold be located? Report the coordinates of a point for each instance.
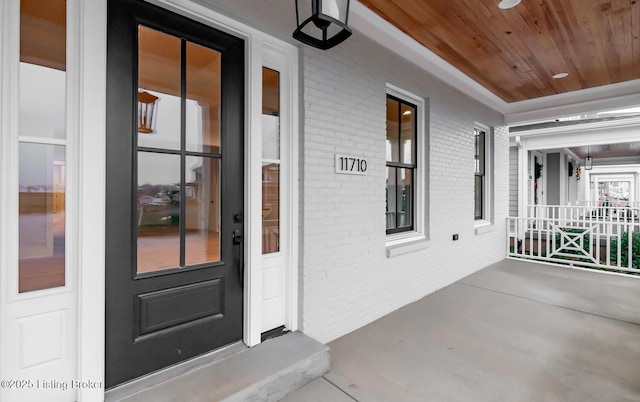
(266, 372)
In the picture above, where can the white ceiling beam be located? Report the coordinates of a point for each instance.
(604, 132)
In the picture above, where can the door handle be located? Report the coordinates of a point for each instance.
(239, 240)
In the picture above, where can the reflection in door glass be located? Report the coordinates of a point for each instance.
(270, 207)
(270, 161)
(158, 211)
(158, 89)
(202, 199)
(179, 182)
(42, 68)
(270, 114)
(42, 216)
(203, 99)
(41, 164)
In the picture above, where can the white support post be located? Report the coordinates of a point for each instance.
(523, 179)
(92, 171)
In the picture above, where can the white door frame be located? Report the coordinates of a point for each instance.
(260, 48)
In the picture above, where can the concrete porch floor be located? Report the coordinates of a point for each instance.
(515, 331)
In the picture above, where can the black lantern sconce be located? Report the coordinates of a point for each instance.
(146, 112)
(588, 161)
(322, 23)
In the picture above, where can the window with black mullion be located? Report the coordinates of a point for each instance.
(179, 171)
(401, 165)
(479, 174)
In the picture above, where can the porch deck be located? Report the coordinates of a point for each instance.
(515, 331)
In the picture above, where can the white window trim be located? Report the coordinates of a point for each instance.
(405, 242)
(487, 224)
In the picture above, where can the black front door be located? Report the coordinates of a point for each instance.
(175, 100)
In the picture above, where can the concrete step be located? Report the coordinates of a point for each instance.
(267, 372)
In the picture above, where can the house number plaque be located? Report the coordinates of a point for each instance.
(348, 164)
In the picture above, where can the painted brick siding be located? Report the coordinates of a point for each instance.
(346, 279)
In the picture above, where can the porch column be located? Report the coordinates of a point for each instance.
(634, 191)
(522, 183)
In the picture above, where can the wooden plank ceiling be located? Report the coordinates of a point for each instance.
(514, 53)
(629, 149)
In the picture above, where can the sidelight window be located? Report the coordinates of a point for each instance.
(42, 145)
(270, 161)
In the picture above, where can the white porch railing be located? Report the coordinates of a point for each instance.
(614, 202)
(614, 214)
(593, 237)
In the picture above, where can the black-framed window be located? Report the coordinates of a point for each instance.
(401, 165)
(480, 173)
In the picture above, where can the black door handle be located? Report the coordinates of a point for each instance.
(239, 240)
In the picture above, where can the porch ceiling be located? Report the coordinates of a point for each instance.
(623, 150)
(466, 44)
(514, 53)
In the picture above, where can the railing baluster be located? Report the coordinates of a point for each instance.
(530, 230)
(523, 229)
(629, 248)
(619, 251)
(608, 250)
(548, 240)
(509, 236)
(539, 242)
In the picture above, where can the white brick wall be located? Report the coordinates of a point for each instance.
(346, 280)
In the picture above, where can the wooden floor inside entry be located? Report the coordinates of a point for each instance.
(157, 251)
(41, 273)
(154, 253)
(42, 251)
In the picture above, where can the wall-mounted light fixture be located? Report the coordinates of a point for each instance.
(588, 161)
(146, 112)
(322, 23)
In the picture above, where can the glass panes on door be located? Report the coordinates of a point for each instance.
(178, 153)
(159, 86)
(158, 211)
(202, 212)
(203, 99)
(270, 161)
(42, 145)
